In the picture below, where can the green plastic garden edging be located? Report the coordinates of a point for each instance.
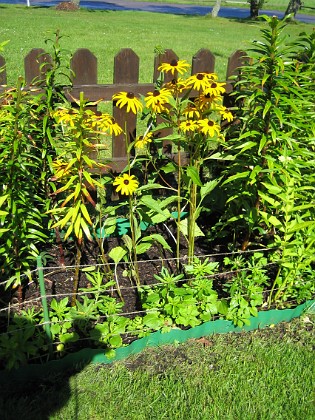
(87, 356)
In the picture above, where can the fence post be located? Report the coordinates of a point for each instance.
(126, 70)
(3, 73)
(33, 65)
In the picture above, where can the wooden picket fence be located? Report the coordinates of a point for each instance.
(125, 78)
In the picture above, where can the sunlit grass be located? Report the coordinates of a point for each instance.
(106, 32)
(266, 374)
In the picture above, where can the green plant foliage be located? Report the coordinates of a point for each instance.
(269, 184)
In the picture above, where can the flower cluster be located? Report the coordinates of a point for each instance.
(192, 106)
(204, 89)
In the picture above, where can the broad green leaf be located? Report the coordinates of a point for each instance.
(208, 187)
(142, 247)
(272, 220)
(273, 189)
(158, 238)
(301, 226)
(117, 254)
(149, 187)
(183, 226)
(152, 204)
(193, 174)
(240, 175)
(128, 242)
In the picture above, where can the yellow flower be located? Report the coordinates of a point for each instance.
(157, 99)
(225, 113)
(176, 85)
(142, 141)
(215, 88)
(180, 66)
(199, 81)
(188, 126)
(128, 99)
(106, 123)
(192, 111)
(126, 184)
(209, 127)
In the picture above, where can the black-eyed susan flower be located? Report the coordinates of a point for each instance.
(199, 81)
(209, 127)
(180, 66)
(106, 123)
(157, 99)
(176, 86)
(215, 88)
(129, 100)
(225, 113)
(188, 126)
(126, 184)
(143, 141)
(192, 111)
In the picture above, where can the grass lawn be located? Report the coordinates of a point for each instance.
(106, 32)
(267, 374)
(269, 4)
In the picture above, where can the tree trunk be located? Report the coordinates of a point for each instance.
(293, 7)
(216, 8)
(254, 9)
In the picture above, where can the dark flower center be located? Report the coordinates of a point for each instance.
(130, 95)
(156, 92)
(200, 76)
(174, 63)
(213, 85)
(126, 182)
(210, 123)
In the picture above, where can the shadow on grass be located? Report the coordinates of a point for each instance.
(37, 391)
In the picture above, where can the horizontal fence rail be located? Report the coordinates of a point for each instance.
(125, 78)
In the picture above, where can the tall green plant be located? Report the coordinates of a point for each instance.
(276, 124)
(22, 227)
(73, 180)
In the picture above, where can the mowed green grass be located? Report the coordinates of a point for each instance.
(105, 33)
(267, 374)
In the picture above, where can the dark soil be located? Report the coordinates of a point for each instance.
(67, 6)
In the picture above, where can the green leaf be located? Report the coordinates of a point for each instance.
(183, 226)
(193, 174)
(142, 247)
(271, 220)
(117, 254)
(269, 199)
(153, 204)
(273, 189)
(208, 187)
(128, 242)
(158, 238)
(239, 175)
